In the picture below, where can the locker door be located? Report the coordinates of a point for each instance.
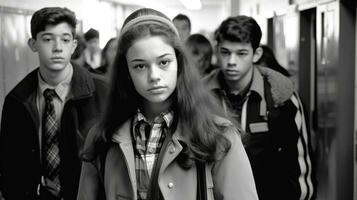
(286, 43)
(307, 68)
(16, 59)
(335, 97)
(326, 101)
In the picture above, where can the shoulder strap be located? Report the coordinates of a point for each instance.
(201, 181)
(100, 165)
(154, 190)
(268, 96)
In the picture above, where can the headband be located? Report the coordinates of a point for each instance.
(148, 19)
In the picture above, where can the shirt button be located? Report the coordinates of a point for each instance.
(170, 185)
(172, 150)
(151, 150)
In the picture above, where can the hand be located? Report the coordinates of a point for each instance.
(1, 196)
(49, 187)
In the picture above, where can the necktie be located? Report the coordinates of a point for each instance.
(50, 139)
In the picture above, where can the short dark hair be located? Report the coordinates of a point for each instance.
(182, 17)
(81, 45)
(240, 28)
(198, 44)
(52, 16)
(90, 34)
(269, 60)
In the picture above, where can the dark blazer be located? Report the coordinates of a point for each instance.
(20, 166)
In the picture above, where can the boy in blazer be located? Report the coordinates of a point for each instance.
(47, 115)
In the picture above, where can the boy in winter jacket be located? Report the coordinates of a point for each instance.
(264, 102)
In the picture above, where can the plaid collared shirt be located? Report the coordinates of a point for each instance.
(148, 139)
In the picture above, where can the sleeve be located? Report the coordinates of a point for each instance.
(232, 174)
(303, 146)
(90, 182)
(8, 128)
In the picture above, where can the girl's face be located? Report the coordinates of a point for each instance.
(153, 69)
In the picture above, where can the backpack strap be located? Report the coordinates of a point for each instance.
(272, 111)
(99, 163)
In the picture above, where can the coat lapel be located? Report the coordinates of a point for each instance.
(172, 151)
(123, 138)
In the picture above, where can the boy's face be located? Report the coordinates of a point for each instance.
(54, 46)
(236, 59)
(93, 45)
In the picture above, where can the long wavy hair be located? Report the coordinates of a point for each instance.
(194, 107)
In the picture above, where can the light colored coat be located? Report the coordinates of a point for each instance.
(229, 178)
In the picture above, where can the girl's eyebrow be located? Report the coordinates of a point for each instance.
(136, 60)
(163, 55)
(140, 60)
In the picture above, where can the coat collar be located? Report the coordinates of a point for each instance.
(124, 139)
(122, 135)
(82, 84)
(282, 88)
(257, 85)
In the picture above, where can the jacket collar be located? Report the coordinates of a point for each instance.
(82, 84)
(282, 88)
(215, 81)
(122, 135)
(124, 139)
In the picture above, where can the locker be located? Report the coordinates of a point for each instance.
(16, 59)
(335, 100)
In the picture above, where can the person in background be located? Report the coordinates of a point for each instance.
(78, 54)
(201, 51)
(108, 56)
(92, 52)
(268, 60)
(183, 25)
(46, 116)
(275, 136)
(163, 135)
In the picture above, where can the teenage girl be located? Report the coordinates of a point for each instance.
(161, 125)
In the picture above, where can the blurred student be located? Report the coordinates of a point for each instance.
(78, 54)
(92, 52)
(108, 56)
(162, 136)
(276, 138)
(268, 60)
(201, 51)
(183, 25)
(46, 117)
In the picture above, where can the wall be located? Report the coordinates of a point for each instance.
(74, 5)
(205, 21)
(355, 115)
(90, 13)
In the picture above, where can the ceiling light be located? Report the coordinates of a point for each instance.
(192, 4)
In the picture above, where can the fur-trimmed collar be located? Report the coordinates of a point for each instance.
(282, 88)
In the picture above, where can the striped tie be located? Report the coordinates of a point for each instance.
(50, 139)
